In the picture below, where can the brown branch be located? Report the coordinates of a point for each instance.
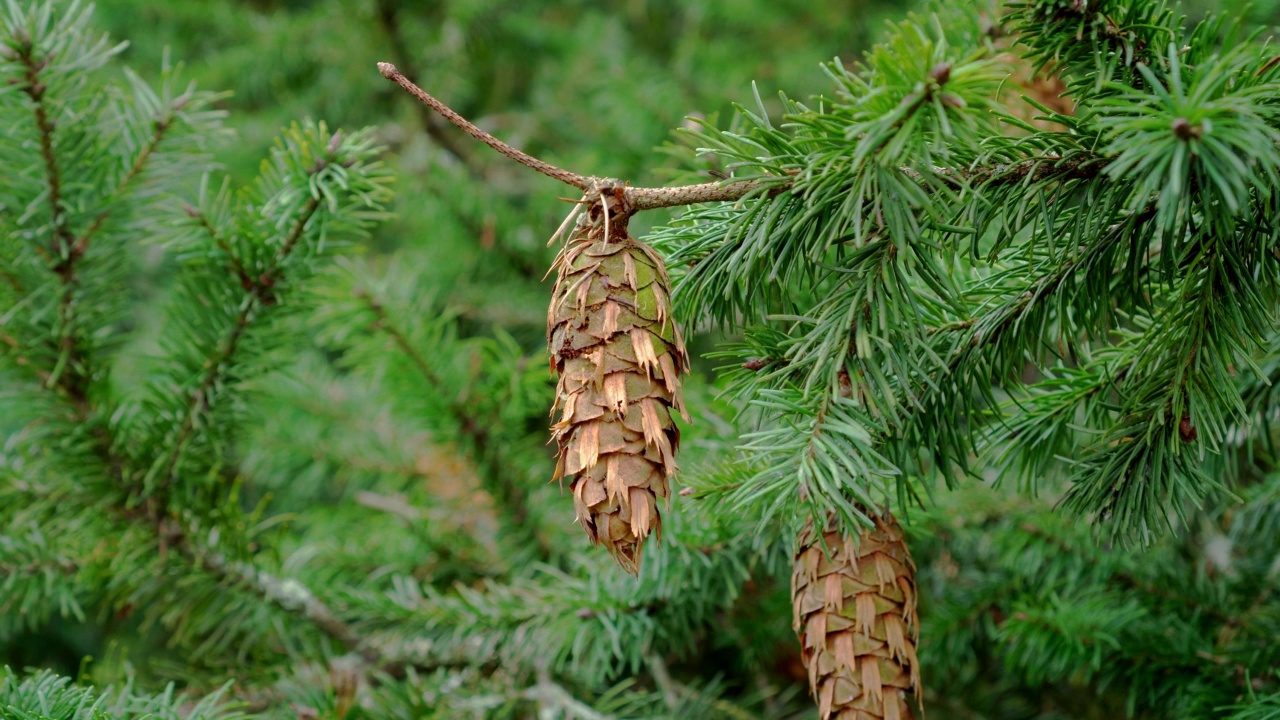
(639, 198)
(650, 198)
(435, 127)
(61, 253)
(390, 72)
(35, 90)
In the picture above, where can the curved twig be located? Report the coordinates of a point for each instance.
(639, 198)
(390, 72)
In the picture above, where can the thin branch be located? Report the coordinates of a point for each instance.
(61, 253)
(61, 566)
(509, 495)
(35, 90)
(288, 594)
(159, 130)
(194, 213)
(436, 127)
(390, 72)
(650, 198)
(257, 294)
(639, 198)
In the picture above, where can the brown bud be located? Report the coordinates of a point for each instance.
(941, 73)
(1184, 130)
(1186, 430)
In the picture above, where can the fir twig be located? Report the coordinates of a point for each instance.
(34, 89)
(258, 293)
(288, 594)
(246, 280)
(71, 374)
(160, 128)
(510, 496)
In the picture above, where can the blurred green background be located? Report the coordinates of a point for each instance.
(594, 86)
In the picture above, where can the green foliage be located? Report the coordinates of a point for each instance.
(281, 437)
(1176, 632)
(45, 696)
(1119, 258)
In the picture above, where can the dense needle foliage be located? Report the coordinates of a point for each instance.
(261, 455)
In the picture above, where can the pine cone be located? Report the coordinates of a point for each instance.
(619, 356)
(855, 613)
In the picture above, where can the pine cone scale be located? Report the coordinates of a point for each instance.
(619, 357)
(855, 614)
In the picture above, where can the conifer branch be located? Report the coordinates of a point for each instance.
(512, 498)
(287, 593)
(246, 280)
(71, 373)
(34, 89)
(1130, 579)
(160, 128)
(257, 294)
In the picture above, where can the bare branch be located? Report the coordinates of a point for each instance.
(390, 72)
(649, 198)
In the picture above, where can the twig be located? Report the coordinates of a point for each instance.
(35, 90)
(436, 128)
(287, 593)
(509, 495)
(638, 198)
(257, 294)
(196, 214)
(160, 128)
(650, 198)
(390, 72)
(61, 254)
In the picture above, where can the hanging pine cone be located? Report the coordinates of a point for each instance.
(619, 356)
(855, 613)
